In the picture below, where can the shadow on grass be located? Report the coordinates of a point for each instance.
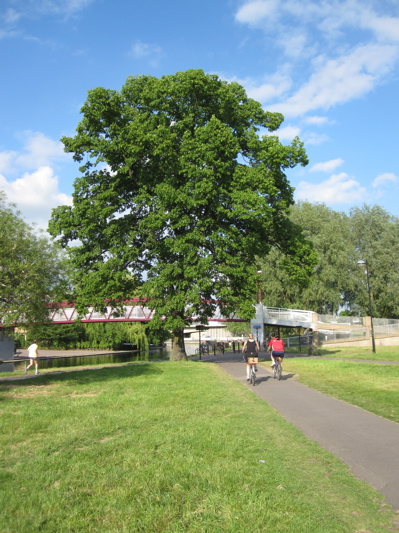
(86, 375)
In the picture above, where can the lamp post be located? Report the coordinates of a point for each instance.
(363, 264)
(259, 284)
(200, 328)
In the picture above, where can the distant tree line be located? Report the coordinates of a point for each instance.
(338, 285)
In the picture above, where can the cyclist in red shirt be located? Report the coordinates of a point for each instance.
(276, 349)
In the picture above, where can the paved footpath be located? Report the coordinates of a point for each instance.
(367, 443)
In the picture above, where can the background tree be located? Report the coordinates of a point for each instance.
(375, 236)
(178, 193)
(238, 329)
(332, 281)
(337, 284)
(32, 269)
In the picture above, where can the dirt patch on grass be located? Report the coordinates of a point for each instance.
(74, 394)
(30, 392)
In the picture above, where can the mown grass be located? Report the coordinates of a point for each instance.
(371, 386)
(383, 353)
(167, 447)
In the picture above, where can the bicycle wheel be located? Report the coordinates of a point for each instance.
(275, 370)
(253, 375)
(279, 371)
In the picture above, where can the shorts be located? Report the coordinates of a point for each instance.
(246, 355)
(276, 353)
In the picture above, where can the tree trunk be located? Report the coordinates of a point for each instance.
(178, 347)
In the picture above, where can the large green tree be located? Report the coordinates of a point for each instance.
(32, 269)
(179, 191)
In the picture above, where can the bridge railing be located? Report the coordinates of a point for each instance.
(130, 313)
(137, 312)
(295, 315)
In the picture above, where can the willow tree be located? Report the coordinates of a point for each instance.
(178, 193)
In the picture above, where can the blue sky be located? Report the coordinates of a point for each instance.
(331, 67)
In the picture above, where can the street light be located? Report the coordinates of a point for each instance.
(363, 264)
(259, 284)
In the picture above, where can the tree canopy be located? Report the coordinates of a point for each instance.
(32, 269)
(182, 184)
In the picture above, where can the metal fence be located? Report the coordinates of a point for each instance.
(328, 335)
(297, 341)
(342, 320)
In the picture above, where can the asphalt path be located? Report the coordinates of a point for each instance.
(367, 443)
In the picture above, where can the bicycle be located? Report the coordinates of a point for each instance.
(252, 361)
(277, 371)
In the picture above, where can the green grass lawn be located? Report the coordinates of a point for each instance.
(383, 353)
(167, 447)
(371, 386)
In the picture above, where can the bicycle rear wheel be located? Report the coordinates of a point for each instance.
(253, 375)
(279, 370)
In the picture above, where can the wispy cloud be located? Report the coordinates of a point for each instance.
(275, 86)
(151, 52)
(336, 51)
(340, 80)
(327, 166)
(63, 7)
(317, 121)
(16, 12)
(386, 178)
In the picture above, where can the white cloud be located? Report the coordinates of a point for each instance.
(6, 160)
(254, 13)
(35, 190)
(296, 45)
(383, 179)
(275, 86)
(327, 166)
(339, 80)
(316, 121)
(35, 194)
(39, 150)
(331, 18)
(385, 28)
(315, 138)
(10, 16)
(63, 7)
(338, 189)
(354, 46)
(287, 133)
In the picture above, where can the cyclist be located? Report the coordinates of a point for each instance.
(276, 349)
(250, 349)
